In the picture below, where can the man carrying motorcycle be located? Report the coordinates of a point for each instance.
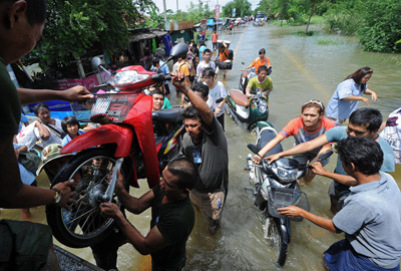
(172, 215)
(308, 126)
(21, 26)
(364, 122)
(260, 83)
(205, 144)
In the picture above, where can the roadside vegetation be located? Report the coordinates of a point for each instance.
(377, 24)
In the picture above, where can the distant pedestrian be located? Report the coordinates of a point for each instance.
(349, 92)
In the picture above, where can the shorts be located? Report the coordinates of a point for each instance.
(341, 256)
(167, 87)
(24, 245)
(211, 204)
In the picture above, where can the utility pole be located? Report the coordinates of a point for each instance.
(177, 5)
(165, 14)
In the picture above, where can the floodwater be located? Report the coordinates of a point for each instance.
(303, 69)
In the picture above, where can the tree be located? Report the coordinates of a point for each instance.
(75, 28)
(242, 8)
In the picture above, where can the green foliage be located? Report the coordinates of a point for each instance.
(376, 23)
(242, 8)
(381, 30)
(80, 27)
(195, 13)
(346, 22)
(327, 41)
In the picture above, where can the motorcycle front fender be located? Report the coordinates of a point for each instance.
(105, 134)
(285, 230)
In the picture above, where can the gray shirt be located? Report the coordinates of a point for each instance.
(210, 156)
(371, 220)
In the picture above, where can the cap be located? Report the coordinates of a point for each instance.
(49, 154)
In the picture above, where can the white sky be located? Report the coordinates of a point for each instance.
(184, 4)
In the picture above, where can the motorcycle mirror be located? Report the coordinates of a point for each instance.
(179, 50)
(96, 62)
(219, 100)
(325, 155)
(253, 148)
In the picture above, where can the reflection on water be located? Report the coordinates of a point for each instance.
(302, 70)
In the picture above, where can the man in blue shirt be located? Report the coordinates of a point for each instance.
(371, 216)
(364, 122)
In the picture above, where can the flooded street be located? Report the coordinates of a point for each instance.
(303, 69)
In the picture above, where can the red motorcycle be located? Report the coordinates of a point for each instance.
(125, 141)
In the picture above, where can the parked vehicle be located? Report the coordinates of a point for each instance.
(125, 141)
(276, 186)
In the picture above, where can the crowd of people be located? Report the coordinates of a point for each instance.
(365, 199)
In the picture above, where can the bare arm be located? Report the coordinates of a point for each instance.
(340, 178)
(13, 193)
(356, 98)
(372, 94)
(322, 222)
(132, 204)
(77, 93)
(197, 101)
(301, 148)
(268, 147)
(145, 245)
(248, 91)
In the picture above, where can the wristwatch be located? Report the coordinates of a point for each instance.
(57, 196)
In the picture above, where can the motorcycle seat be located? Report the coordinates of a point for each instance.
(239, 98)
(168, 115)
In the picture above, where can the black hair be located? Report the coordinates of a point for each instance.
(155, 61)
(202, 88)
(367, 116)
(263, 68)
(69, 120)
(207, 50)
(156, 91)
(35, 11)
(208, 72)
(185, 170)
(359, 74)
(191, 113)
(364, 153)
(38, 107)
(262, 51)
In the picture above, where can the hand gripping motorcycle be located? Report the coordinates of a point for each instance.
(274, 186)
(125, 141)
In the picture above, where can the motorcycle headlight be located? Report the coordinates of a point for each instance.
(262, 108)
(128, 77)
(286, 175)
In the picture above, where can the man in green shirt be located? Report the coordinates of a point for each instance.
(21, 26)
(260, 83)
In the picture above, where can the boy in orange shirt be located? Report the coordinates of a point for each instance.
(261, 60)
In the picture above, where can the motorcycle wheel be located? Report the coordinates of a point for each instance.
(84, 225)
(275, 237)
